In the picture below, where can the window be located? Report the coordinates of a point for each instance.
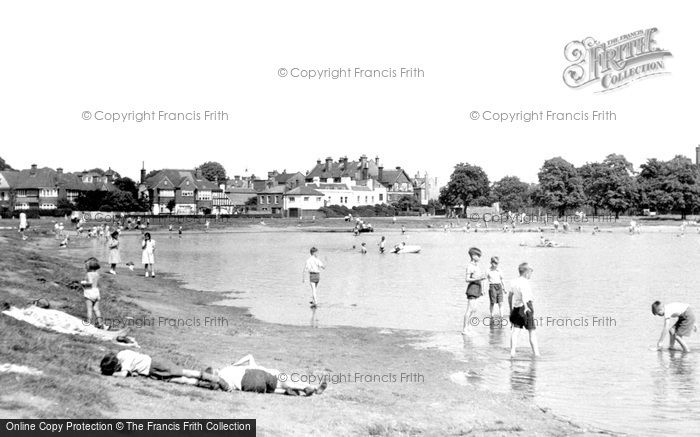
(187, 193)
(318, 199)
(366, 199)
(203, 195)
(346, 200)
(381, 197)
(306, 199)
(292, 199)
(47, 206)
(166, 193)
(277, 200)
(269, 199)
(358, 199)
(48, 192)
(21, 193)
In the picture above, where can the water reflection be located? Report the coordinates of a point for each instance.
(314, 319)
(523, 375)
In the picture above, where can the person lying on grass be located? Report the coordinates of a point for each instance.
(130, 363)
(246, 375)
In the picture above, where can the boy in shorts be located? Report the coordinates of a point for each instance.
(313, 266)
(131, 363)
(496, 287)
(522, 311)
(475, 277)
(684, 326)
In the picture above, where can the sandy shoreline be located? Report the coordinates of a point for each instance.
(375, 403)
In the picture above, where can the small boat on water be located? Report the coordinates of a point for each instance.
(407, 249)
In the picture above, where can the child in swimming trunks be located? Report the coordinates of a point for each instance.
(684, 326)
(313, 266)
(91, 292)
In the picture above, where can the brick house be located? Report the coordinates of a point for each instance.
(190, 191)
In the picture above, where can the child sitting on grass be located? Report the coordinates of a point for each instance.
(91, 292)
(683, 327)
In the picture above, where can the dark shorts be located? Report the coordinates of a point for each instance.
(258, 381)
(685, 323)
(314, 277)
(474, 290)
(495, 293)
(520, 319)
(164, 369)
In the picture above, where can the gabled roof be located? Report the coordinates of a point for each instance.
(284, 177)
(183, 179)
(390, 177)
(277, 189)
(49, 178)
(303, 191)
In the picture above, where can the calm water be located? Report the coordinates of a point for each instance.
(606, 375)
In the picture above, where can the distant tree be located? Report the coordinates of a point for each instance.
(171, 205)
(128, 185)
(594, 177)
(4, 165)
(213, 171)
(64, 203)
(435, 205)
(252, 201)
(560, 186)
(621, 187)
(468, 183)
(97, 170)
(511, 193)
(407, 203)
(667, 186)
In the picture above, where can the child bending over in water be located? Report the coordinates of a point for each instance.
(683, 327)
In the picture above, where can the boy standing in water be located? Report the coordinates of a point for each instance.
(382, 245)
(522, 311)
(474, 279)
(496, 287)
(313, 266)
(683, 327)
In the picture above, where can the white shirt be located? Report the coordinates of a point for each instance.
(495, 276)
(233, 375)
(314, 265)
(522, 291)
(134, 362)
(674, 309)
(22, 220)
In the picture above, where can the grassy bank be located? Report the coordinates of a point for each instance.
(71, 386)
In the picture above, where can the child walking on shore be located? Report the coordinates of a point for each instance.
(496, 287)
(683, 327)
(475, 277)
(148, 254)
(313, 266)
(114, 257)
(522, 310)
(91, 292)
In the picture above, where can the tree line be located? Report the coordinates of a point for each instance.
(612, 185)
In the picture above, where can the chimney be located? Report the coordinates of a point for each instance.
(318, 162)
(143, 172)
(329, 160)
(380, 175)
(376, 160)
(33, 170)
(398, 168)
(59, 170)
(344, 160)
(198, 173)
(697, 155)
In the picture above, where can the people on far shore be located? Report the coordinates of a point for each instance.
(206, 226)
(522, 310)
(148, 255)
(91, 292)
(313, 267)
(179, 232)
(474, 278)
(363, 248)
(114, 257)
(684, 326)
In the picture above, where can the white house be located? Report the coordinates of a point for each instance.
(300, 199)
(349, 193)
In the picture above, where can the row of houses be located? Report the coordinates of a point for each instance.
(43, 188)
(360, 182)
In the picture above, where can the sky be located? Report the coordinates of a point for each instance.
(63, 59)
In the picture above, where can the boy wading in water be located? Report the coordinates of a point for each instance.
(313, 266)
(522, 311)
(474, 279)
(683, 327)
(496, 287)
